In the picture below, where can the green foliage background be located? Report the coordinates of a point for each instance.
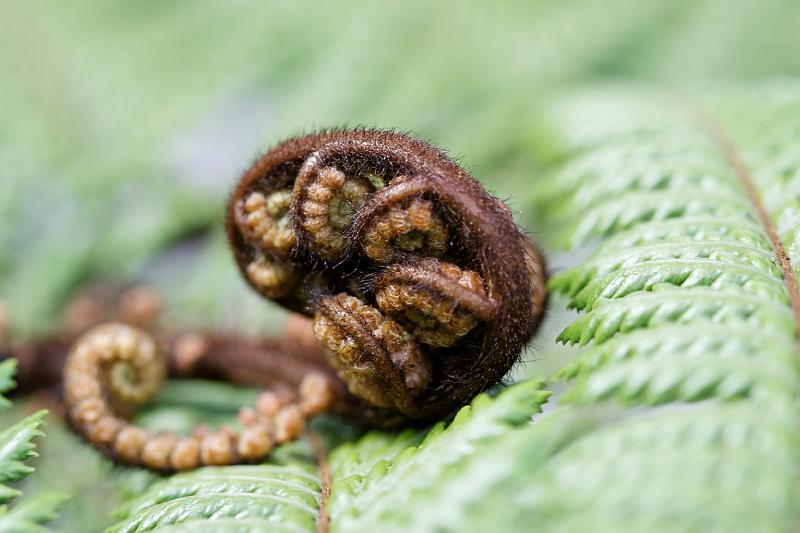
(125, 124)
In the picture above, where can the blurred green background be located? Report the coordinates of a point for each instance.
(124, 124)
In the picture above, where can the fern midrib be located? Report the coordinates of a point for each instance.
(321, 454)
(732, 154)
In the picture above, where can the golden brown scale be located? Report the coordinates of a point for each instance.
(113, 361)
(326, 212)
(265, 220)
(273, 279)
(436, 301)
(411, 227)
(379, 360)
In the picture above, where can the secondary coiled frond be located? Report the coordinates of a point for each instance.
(114, 368)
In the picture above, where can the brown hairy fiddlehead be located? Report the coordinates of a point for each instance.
(421, 288)
(413, 289)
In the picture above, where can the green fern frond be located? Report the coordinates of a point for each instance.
(16, 447)
(464, 499)
(281, 496)
(688, 230)
(463, 454)
(684, 307)
(642, 171)
(632, 208)
(698, 339)
(679, 377)
(645, 276)
(368, 477)
(666, 305)
(733, 254)
(28, 516)
(704, 467)
(664, 470)
(373, 448)
(7, 369)
(294, 482)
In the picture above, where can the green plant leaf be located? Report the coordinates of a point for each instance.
(28, 516)
(7, 369)
(685, 307)
(367, 477)
(16, 447)
(282, 495)
(461, 454)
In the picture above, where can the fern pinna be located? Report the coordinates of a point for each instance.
(683, 305)
(16, 446)
(377, 480)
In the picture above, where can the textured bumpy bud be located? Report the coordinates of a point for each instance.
(378, 359)
(117, 366)
(438, 302)
(326, 201)
(414, 288)
(421, 289)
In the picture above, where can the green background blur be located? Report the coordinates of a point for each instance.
(124, 124)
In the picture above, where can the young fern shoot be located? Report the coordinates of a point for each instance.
(413, 284)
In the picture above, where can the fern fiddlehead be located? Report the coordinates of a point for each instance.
(413, 287)
(114, 367)
(418, 281)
